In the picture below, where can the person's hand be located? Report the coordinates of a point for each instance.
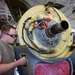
(22, 61)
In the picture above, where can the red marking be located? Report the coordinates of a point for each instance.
(62, 68)
(46, 25)
(42, 26)
(48, 19)
(34, 25)
(48, 12)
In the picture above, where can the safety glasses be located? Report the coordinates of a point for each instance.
(11, 35)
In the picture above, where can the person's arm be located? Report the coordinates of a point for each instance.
(6, 67)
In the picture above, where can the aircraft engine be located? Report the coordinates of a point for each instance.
(46, 38)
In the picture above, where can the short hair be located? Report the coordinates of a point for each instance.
(7, 27)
